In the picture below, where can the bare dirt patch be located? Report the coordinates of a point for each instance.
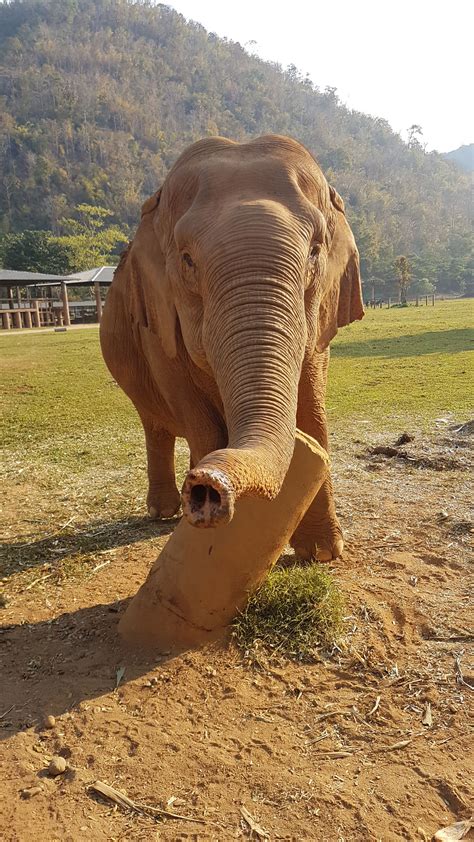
(368, 742)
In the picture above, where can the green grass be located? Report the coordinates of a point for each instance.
(404, 365)
(59, 398)
(294, 612)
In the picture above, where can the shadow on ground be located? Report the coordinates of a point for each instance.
(50, 667)
(415, 345)
(89, 537)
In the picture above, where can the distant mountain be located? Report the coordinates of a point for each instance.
(463, 157)
(99, 97)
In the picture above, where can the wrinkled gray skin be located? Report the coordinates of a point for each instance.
(218, 322)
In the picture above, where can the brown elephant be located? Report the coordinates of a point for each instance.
(218, 322)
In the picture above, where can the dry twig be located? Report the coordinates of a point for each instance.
(375, 707)
(253, 825)
(459, 674)
(126, 803)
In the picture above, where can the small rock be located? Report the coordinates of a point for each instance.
(57, 766)
(31, 791)
(405, 438)
(49, 721)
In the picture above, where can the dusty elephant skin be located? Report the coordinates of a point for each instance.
(199, 582)
(218, 322)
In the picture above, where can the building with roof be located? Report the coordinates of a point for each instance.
(40, 308)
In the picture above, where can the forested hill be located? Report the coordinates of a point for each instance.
(463, 157)
(100, 96)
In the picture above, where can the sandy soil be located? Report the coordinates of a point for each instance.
(370, 742)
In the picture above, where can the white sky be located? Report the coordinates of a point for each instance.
(408, 61)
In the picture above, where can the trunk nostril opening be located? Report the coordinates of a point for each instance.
(198, 495)
(201, 493)
(208, 498)
(214, 496)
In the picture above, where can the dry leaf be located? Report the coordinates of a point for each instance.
(253, 825)
(454, 831)
(401, 744)
(427, 717)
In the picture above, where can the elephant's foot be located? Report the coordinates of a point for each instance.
(163, 504)
(322, 541)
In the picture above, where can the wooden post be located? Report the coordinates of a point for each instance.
(36, 314)
(433, 300)
(98, 300)
(6, 321)
(65, 300)
(18, 295)
(28, 318)
(417, 302)
(16, 318)
(426, 301)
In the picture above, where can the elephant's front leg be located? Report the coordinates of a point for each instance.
(163, 499)
(319, 534)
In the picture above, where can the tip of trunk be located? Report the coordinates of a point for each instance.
(208, 498)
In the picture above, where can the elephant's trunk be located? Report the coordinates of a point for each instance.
(255, 335)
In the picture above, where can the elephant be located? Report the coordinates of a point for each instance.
(218, 321)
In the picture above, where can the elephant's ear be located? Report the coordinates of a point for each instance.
(341, 293)
(152, 301)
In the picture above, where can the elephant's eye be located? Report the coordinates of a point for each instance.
(314, 252)
(188, 259)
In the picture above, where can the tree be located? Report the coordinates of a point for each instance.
(36, 251)
(89, 241)
(423, 286)
(402, 268)
(415, 137)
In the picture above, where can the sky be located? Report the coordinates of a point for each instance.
(409, 61)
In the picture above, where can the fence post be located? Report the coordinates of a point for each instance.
(64, 298)
(36, 314)
(433, 300)
(6, 320)
(98, 300)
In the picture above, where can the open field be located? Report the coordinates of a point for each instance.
(367, 742)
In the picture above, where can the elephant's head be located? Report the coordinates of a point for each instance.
(259, 268)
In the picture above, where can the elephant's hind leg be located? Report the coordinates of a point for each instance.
(319, 534)
(163, 499)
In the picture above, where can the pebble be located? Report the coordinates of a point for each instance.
(57, 766)
(49, 722)
(31, 791)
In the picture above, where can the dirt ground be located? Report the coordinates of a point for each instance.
(369, 742)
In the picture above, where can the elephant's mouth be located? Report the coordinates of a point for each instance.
(207, 498)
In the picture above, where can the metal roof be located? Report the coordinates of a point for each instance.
(101, 274)
(14, 276)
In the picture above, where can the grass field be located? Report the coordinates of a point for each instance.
(394, 365)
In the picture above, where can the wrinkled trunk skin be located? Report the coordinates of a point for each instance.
(254, 333)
